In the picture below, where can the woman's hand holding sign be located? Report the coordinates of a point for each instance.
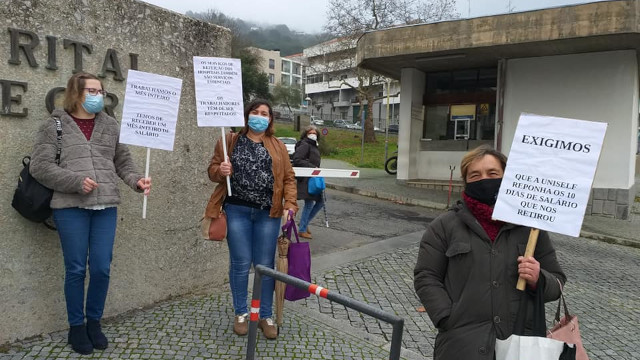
(225, 167)
(529, 270)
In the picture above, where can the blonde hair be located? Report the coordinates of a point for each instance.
(74, 93)
(478, 153)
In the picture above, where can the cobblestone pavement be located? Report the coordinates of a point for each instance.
(602, 290)
(201, 328)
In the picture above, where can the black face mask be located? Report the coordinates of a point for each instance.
(485, 190)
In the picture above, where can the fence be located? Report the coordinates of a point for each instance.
(260, 270)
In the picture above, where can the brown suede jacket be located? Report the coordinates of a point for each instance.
(284, 186)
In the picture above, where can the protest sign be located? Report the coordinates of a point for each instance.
(218, 84)
(150, 111)
(150, 114)
(549, 174)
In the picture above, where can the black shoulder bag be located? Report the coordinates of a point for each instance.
(32, 199)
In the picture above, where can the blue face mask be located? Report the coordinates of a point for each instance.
(93, 104)
(258, 123)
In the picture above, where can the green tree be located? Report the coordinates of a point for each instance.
(291, 96)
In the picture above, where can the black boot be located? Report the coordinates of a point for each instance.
(94, 330)
(79, 340)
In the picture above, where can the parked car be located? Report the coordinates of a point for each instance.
(290, 143)
(354, 126)
(393, 128)
(340, 123)
(316, 121)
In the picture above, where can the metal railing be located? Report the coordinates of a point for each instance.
(260, 270)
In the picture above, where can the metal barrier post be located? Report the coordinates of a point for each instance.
(397, 322)
(254, 315)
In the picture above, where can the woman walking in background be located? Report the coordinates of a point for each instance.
(85, 196)
(263, 190)
(307, 154)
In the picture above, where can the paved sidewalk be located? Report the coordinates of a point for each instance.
(602, 289)
(377, 183)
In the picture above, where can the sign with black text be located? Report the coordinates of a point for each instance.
(150, 111)
(549, 174)
(218, 84)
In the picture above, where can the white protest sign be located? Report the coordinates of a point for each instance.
(150, 111)
(549, 174)
(218, 91)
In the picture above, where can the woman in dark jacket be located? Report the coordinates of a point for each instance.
(85, 197)
(468, 266)
(307, 155)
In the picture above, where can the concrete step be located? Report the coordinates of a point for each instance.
(456, 186)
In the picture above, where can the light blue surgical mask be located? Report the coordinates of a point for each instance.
(258, 123)
(93, 104)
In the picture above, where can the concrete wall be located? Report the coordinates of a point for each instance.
(156, 258)
(410, 124)
(594, 86)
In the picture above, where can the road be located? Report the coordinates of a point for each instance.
(356, 220)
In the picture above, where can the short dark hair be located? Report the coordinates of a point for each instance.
(252, 106)
(74, 93)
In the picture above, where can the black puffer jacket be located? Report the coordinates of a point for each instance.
(467, 283)
(306, 155)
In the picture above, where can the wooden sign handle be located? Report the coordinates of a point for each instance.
(531, 248)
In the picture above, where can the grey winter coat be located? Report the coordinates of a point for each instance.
(307, 155)
(102, 159)
(467, 284)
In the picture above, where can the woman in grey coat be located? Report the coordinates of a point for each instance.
(85, 196)
(307, 155)
(468, 266)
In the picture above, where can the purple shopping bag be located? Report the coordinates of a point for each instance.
(299, 257)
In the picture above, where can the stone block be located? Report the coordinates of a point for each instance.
(596, 207)
(600, 194)
(623, 197)
(590, 198)
(588, 210)
(622, 212)
(612, 194)
(609, 207)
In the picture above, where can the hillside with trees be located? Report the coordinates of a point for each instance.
(269, 37)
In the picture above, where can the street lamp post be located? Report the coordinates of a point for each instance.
(308, 100)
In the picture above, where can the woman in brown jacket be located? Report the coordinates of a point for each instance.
(262, 179)
(468, 266)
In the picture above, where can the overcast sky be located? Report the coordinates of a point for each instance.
(310, 15)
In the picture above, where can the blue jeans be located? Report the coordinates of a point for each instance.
(252, 237)
(310, 210)
(86, 233)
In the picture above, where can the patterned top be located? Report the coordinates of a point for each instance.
(252, 177)
(85, 125)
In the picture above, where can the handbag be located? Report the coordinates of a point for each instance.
(567, 329)
(31, 199)
(214, 229)
(299, 258)
(536, 347)
(316, 185)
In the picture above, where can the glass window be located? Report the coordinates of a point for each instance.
(272, 78)
(286, 66)
(474, 87)
(272, 64)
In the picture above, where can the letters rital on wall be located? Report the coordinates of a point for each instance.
(23, 43)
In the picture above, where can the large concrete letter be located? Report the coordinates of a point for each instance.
(7, 99)
(77, 55)
(26, 48)
(111, 64)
